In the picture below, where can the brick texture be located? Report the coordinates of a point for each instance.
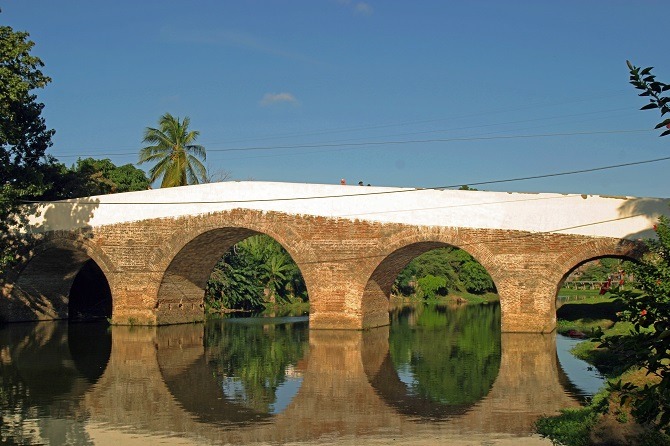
(157, 269)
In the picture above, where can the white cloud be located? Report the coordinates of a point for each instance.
(275, 98)
(359, 8)
(231, 38)
(363, 8)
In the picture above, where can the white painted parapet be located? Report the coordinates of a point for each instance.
(600, 216)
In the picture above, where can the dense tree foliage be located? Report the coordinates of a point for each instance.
(647, 346)
(91, 176)
(256, 271)
(642, 79)
(24, 137)
(104, 177)
(456, 270)
(177, 159)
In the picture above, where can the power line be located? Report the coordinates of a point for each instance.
(574, 172)
(395, 142)
(397, 191)
(425, 121)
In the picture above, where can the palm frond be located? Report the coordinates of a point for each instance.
(178, 160)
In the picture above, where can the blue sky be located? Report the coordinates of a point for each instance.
(495, 82)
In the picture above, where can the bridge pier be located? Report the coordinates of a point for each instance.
(527, 304)
(339, 299)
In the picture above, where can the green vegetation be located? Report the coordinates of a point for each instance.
(588, 314)
(101, 176)
(24, 137)
(91, 176)
(633, 351)
(647, 345)
(172, 149)
(572, 427)
(257, 271)
(443, 271)
(599, 270)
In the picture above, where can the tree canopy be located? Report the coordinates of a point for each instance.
(24, 137)
(441, 271)
(177, 159)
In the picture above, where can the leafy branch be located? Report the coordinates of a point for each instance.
(642, 79)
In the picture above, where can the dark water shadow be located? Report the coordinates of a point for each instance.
(49, 366)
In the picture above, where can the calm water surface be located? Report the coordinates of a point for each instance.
(436, 375)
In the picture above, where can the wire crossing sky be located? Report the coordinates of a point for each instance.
(392, 93)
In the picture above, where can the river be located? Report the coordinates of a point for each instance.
(437, 374)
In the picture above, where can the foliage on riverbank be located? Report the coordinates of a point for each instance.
(605, 420)
(441, 272)
(256, 272)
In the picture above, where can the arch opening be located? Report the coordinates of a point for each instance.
(584, 296)
(427, 271)
(90, 295)
(60, 283)
(229, 269)
(257, 273)
(437, 345)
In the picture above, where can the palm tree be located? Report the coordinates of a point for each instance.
(177, 158)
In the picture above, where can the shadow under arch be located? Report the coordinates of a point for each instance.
(182, 288)
(63, 277)
(378, 287)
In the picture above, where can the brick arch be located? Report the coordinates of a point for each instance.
(593, 250)
(399, 253)
(42, 282)
(190, 257)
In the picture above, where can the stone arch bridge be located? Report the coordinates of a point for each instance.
(155, 249)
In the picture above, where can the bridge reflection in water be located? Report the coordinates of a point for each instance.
(244, 382)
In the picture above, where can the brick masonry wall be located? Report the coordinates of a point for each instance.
(157, 268)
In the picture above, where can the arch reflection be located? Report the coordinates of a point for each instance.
(49, 361)
(239, 371)
(441, 361)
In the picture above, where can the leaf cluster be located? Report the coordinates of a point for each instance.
(642, 79)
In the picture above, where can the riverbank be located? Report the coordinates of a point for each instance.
(298, 307)
(459, 298)
(603, 421)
